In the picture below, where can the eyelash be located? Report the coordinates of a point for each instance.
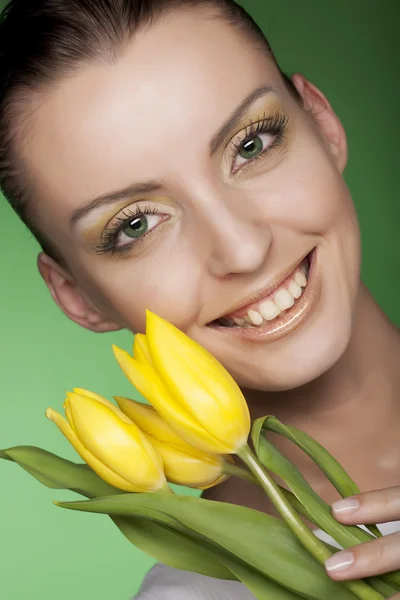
(109, 238)
(272, 125)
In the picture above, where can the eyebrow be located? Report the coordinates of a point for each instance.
(153, 186)
(110, 198)
(237, 115)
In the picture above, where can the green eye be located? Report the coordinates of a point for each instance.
(251, 148)
(136, 227)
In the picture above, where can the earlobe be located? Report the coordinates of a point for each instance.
(329, 125)
(69, 297)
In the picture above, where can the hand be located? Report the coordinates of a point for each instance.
(370, 558)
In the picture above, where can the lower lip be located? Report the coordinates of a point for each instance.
(288, 322)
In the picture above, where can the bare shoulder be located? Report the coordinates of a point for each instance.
(166, 583)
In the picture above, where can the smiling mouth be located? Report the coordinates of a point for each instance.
(279, 311)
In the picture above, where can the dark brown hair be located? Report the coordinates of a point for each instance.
(42, 40)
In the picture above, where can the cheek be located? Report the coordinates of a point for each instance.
(306, 197)
(166, 282)
(320, 204)
(308, 194)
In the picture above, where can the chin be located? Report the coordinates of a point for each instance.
(304, 353)
(310, 354)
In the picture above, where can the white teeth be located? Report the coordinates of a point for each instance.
(269, 310)
(284, 299)
(255, 317)
(301, 279)
(239, 322)
(295, 289)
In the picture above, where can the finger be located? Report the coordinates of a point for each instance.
(396, 597)
(378, 506)
(365, 560)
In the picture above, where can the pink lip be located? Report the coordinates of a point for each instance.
(240, 307)
(242, 312)
(288, 322)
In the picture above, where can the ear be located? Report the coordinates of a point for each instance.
(325, 118)
(70, 298)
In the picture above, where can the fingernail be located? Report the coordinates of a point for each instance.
(347, 506)
(339, 561)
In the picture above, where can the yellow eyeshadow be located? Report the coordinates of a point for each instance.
(91, 236)
(266, 108)
(93, 233)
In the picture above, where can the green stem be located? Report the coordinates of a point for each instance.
(315, 547)
(231, 469)
(382, 587)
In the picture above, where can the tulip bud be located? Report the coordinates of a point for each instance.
(110, 444)
(188, 387)
(183, 464)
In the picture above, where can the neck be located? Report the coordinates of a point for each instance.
(353, 409)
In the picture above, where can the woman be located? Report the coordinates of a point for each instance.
(164, 162)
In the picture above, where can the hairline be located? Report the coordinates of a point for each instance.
(108, 52)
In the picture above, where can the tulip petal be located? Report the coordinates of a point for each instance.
(68, 414)
(98, 467)
(140, 374)
(121, 446)
(147, 382)
(179, 458)
(149, 421)
(118, 412)
(189, 470)
(199, 383)
(141, 351)
(219, 480)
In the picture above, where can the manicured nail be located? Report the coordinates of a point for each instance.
(339, 562)
(348, 506)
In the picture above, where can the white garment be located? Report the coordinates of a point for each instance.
(166, 583)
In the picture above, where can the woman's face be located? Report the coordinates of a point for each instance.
(185, 179)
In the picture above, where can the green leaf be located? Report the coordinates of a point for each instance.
(275, 461)
(58, 473)
(313, 506)
(345, 535)
(171, 547)
(387, 590)
(392, 578)
(333, 470)
(4, 455)
(226, 565)
(159, 541)
(266, 544)
(260, 586)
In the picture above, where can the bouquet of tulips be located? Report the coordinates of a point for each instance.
(197, 420)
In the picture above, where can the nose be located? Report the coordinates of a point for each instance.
(238, 243)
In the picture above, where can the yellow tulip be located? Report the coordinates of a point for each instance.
(183, 464)
(188, 387)
(110, 443)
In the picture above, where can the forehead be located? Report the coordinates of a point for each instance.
(139, 118)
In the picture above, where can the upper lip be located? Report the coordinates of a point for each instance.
(261, 293)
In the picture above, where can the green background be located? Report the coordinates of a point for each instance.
(350, 49)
